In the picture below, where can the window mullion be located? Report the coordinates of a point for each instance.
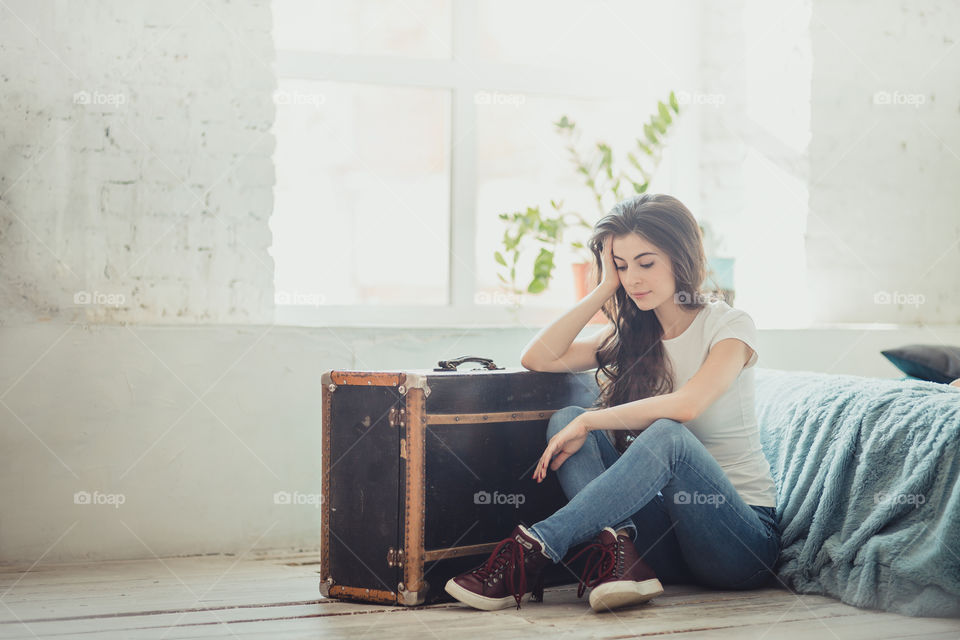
(463, 159)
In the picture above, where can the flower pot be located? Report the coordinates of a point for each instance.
(720, 277)
(582, 285)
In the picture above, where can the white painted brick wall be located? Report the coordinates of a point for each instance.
(885, 174)
(881, 210)
(163, 199)
(879, 180)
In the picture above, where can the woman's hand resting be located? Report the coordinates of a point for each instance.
(563, 445)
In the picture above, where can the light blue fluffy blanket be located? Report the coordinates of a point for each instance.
(867, 487)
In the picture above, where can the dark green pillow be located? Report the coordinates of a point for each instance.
(936, 363)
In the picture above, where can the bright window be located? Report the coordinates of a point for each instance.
(403, 130)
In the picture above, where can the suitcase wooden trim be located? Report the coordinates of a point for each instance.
(327, 582)
(475, 418)
(413, 589)
(403, 381)
(359, 593)
(456, 552)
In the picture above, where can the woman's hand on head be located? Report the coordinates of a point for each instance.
(563, 445)
(610, 280)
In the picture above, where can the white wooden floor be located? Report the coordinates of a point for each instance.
(278, 597)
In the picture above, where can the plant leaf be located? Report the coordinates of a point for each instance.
(664, 113)
(537, 286)
(646, 149)
(659, 124)
(651, 135)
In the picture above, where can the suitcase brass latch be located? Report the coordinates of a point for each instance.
(397, 417)
(394, 557)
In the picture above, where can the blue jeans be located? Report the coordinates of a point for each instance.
(686, 519)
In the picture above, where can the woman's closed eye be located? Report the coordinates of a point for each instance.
(645, 266)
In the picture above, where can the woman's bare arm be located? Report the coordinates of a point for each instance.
(554, 349)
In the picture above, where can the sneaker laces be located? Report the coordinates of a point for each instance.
(508, 551)
(599, 566)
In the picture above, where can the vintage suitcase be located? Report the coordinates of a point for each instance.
(424, 471)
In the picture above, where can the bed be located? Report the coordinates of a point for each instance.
(867, 482)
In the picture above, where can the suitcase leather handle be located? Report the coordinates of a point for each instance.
(451, 365)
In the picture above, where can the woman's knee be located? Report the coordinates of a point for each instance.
(666, 425)
(662, 434)
(561, 418)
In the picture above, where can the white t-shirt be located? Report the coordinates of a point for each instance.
(728, 427)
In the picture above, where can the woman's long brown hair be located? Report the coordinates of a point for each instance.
(632, 360)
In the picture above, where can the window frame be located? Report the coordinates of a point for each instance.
(464, 74)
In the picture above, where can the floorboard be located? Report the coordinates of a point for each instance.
(276, 596)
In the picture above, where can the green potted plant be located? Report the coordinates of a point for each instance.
(608, 184)
(543, 229)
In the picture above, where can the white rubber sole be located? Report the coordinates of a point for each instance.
(481, 602)
(623, 593)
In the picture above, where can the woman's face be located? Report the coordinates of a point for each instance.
(643, 268)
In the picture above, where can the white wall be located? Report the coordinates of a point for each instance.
(884, 158)
(829, 166)
(136, 187)
(116, 410)
(136, 161)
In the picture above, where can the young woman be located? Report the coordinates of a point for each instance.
(665, 473)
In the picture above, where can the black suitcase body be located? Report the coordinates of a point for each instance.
(424, 471)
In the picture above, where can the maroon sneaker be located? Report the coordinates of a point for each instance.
(616, 572)
(502, 578)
